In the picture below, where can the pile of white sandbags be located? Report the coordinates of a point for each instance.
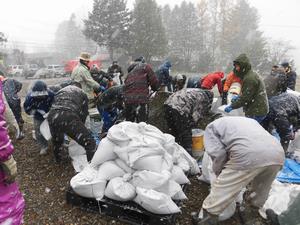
(137, 162)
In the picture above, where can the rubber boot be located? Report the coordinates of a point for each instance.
(208, 219)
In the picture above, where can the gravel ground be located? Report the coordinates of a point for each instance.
(44, 186)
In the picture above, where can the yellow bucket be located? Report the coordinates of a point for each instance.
(197, 142)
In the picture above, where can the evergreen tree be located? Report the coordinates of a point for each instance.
(2, 38)
(184, 33)
(108, 23)
(147, 34)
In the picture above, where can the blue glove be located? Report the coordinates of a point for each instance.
(235, 98)
(228, 109)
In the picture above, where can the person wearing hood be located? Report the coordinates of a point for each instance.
(67, 116)
(37, 103)
(242, 153)
(82, 75)
(12, 204)
(183, 110)
(136, 90)
(284, 114)
(290, 74)
(210, 80)
(276, 82)
(11, 88)
(163, 75)
(253, 96)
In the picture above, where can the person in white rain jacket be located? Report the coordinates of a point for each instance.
(242, 152)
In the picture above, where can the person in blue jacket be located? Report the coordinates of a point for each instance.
(37, 103)
(163, 75)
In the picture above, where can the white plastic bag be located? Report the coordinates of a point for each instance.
(120, 190)
(149, 179)
(45, 130)
(109, 170)
(105, 152)
(151, 163)
(87, 185)
(155, 202)
(172, 189)
(124, 166)
(182, 153)
(179, 176)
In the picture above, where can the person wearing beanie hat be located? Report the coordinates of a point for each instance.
(290, 74)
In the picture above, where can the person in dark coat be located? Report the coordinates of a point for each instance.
(179, 82)
(284, 114)
(253, 98)
(136, 90)
(276, 82)
(163, 75)
(37, 103)
(67, 116)
(11, 88)
(291, 75)
(183, 110)
(110, 103)
(115, 72)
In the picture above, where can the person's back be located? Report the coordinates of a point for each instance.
(72, 99)
(285, 104)
(210, 80)
(140, 77)
(275, 83)
(245, 144)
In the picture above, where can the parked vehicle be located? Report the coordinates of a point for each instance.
(30, 70)
(15, 70)
(56, 70)
(42, 73)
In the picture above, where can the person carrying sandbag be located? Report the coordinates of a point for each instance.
(242, 152)
(67, 116)
(183, 110)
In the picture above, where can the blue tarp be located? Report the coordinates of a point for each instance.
(290, 172)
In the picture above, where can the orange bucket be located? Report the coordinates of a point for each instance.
(197, 142)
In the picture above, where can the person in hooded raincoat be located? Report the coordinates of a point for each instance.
(37, 103)
(163, 75)
(253, 96)
(12, 204)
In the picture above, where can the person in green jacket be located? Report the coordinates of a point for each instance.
(82, 75)
(253, 96)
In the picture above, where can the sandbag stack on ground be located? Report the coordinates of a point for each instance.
(137, 162)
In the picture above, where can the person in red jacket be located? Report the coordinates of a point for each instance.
(210, 80)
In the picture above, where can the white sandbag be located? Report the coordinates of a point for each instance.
(109, 170)
(280, 196)
(167, 163)
(45, 130)
(118, 136)
(149, 179)
(151, 163)
(75, 149)
(87, 185)
(172, 189)
(105, 152)
(207, 174)
(120, 190)
(155, 202)
(179, 176)
(194, 168)
(183, 164)
(124, 166)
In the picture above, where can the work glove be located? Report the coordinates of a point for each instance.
(228, 109)
(10, 169)
(235, 98)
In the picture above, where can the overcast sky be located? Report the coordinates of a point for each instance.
(32, 23)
